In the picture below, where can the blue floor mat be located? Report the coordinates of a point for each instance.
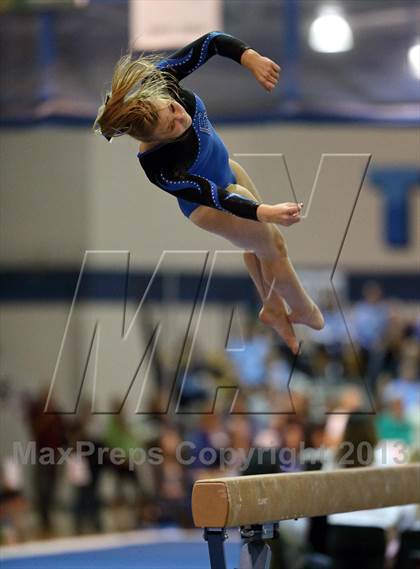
(153, 556)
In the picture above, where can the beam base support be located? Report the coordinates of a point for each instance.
(215, 538)
(255, 553)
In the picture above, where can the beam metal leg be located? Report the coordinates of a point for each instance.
(215, 538)
(255, 553)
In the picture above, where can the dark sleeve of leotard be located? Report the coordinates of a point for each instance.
(198, 189)
(186, 60)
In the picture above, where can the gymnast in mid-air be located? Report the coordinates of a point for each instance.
(182, 154)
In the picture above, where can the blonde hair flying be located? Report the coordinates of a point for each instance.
(132, 105)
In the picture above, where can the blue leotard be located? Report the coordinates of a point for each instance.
(195, 167)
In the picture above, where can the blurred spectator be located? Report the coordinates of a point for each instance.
(350, 400)
(13, 503)
(358, 443)
(369, 327)
(119, 436)
(358, 447)
(84, 472)
(334, 334)
(293, 440)
(370, 317)
(392, 424)
(315, 446)
(48, 430)
(239, 426)
(416, 327)
(193, 368)
(313, 460)
(171, 481)
(278, 370)
(211, 435)
(249, 356)
(406, 387)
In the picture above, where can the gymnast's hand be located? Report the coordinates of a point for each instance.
(265, 71)
(283, 213)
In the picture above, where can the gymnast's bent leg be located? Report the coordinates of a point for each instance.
(267, 243)
(272, 302)
(301, 315)
(243, 179)
(244, 233)
(273, 309)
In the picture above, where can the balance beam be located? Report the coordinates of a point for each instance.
(268, 498)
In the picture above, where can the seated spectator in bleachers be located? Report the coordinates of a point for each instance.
(334, 334)
(250, 356)
(84, 472)
(120, 437)
(293, 439)
(48, 430)
(172, 485)
(392, 424)
(278, 369)
(13, 503)
(349, 400)
(405, 387)
(368, 327)
(370, 317)
(358, 449)
(209, 434)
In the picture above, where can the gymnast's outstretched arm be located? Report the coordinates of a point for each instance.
(189, 58)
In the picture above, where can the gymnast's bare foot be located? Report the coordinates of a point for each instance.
(312, 318)
(279, 321)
